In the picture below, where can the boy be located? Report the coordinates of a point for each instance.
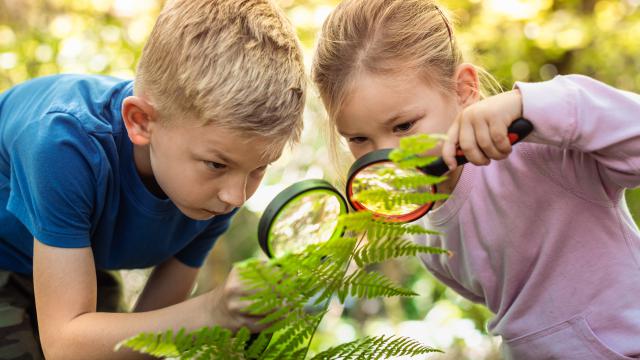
(99, 174)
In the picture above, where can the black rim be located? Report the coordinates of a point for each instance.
(282, 199)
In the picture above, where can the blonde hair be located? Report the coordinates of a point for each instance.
(237, 64)
(383, 37)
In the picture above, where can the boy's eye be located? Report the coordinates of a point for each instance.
(404, 127)
(357, 139)
(214, 165)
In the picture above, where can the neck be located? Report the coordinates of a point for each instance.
(447, 186)
(142, 159)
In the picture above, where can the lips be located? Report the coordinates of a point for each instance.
(226, 211)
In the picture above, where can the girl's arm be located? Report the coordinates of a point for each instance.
(70, 327)
(578, 113)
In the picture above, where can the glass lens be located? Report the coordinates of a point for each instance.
(382, 189)
(310, 218)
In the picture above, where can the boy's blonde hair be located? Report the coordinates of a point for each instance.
(237, 64)
(383, 37)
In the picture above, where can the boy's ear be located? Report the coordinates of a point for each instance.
(467, 84)
(138, 115)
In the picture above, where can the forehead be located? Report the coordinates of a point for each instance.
(237, 146)
(380, 98)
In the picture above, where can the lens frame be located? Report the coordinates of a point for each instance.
(373, 158)
(286, 196)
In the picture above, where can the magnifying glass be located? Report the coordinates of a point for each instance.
(375, 170)
(305, 213)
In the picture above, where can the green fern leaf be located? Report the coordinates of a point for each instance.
(379, 251)
(294, 336)
(377, 347)
(364, 284)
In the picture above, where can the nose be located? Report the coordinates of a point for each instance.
(234, 192)
(386, 142)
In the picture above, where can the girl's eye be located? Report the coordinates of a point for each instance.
(404, 127)
(215, 166)
(357, 139)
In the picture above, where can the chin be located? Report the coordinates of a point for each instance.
(197, 214)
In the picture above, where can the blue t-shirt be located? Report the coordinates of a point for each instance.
(67, 178)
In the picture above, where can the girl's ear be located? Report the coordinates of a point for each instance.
(138, 115)
(467, 84)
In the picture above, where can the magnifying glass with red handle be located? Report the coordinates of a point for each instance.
(377, 170)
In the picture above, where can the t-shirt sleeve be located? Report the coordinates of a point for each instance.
(197, 250)
(54, 167)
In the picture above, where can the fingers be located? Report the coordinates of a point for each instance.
(235, 305)
(469, 144)
(498, 133)
(492, 139)
(480, 134)
(450, 145)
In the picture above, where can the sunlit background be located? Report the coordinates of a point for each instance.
(515, 40)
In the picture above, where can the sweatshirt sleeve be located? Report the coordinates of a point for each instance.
(581, 115)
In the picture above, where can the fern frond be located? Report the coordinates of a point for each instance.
(205, 343)
(415, 181)
(211, 342)
(384, 230)
(408, 154)
(418, 144)
(379, 251)
(390, 200)
(364, 284)
(355, 221)
(272, 288)
(293, 336)
(375, 347)
(258, 345)
(159, 345)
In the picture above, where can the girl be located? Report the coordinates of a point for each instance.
(540, 233)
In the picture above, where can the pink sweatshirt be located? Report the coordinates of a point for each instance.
(544, 238)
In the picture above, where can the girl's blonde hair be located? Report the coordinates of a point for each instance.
(384, 37)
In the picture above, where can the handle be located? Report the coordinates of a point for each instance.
(518, 130)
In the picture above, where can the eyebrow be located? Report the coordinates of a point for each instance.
(398, 115)
(227, 160)
(387, 122)
(222, 157)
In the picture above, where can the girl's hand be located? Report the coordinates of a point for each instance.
(226, 306)
(481, 129)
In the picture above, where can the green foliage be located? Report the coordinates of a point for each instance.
(377, 347)
(205, 343)
(375, 252)
(292, 293)
(390, 200)
(408, 154)
(365, 284)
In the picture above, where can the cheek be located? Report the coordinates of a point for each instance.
(252, 185)
(357, 151)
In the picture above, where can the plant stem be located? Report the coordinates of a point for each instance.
(328, 301)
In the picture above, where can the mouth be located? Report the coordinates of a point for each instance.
(216, 213)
